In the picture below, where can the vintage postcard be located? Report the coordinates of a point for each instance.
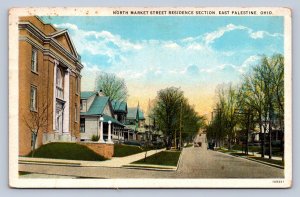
(184, 97)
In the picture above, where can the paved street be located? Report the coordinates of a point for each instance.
(196, 162)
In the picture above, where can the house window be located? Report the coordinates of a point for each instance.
(59, 84)
(34, 60)
(82, 125)
(76, 116)
(33, 98)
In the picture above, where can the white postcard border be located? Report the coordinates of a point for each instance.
(15, 181)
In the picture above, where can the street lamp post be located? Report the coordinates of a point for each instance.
(101, 131)
(109, 132)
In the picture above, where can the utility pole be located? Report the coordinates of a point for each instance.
(248, 131)
(180, 123)
(175, 140)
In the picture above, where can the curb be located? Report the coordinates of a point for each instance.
(179, 160)
(266, 163)
(149, 167)
(254, 160)
(155, 167)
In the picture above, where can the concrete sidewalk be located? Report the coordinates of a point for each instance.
(258, 155)
(115, 162)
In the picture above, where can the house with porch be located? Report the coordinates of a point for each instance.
(120, 113)
(97, 118)
(135, 124)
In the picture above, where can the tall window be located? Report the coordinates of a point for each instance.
(34, 60)
(59, 84)
(76, 116)
(33, 96)
(82, 125)
(77, 84)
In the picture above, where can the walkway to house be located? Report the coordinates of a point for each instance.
(115, 162)
(118, 162)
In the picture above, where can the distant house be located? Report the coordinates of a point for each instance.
(120, 113)
(97, 117)
(151, 127)
(120, 110)
(135, 124)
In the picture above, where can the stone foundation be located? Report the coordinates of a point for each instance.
(105, 150)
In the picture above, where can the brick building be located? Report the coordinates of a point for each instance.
(49, 84)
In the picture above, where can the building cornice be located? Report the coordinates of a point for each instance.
(50, 53)
(50, 40)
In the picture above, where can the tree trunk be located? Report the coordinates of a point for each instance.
(261, 136)
(33, 145)
(263, 143)
(270, 140)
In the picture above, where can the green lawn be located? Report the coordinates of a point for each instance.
(168, 158)
(71, 151)
(122, 150)
(225, 150)
(251, 148)
(23, 173)
(189, 145)
(238, 154)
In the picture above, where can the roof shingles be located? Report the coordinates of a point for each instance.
(97, 106)
(119, 106)
(87, 94)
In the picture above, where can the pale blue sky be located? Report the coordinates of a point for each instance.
(195, 53)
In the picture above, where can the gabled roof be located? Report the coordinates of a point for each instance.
(86, 94)
(63, 37)
(141, 115)
(135, 113)
(132, 113)
(97, 106)
(114, 121)
(119, 106)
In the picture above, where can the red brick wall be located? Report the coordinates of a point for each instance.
(105, 150)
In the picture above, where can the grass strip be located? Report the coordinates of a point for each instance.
(68, 151)
(167, 158)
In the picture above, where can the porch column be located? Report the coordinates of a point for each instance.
(54, 94)
(66, 116)
(128, 135)
(101, 131)
(109, 132)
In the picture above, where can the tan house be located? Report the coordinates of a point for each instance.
(49, 85)
(98, 118)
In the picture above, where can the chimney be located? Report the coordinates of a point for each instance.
(100, 93)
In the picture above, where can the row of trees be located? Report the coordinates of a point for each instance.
(256, 104)
(175, 117)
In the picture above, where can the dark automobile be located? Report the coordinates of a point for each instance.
(211, 146)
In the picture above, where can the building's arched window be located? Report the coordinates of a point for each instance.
(59, 84)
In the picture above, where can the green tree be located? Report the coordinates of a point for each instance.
(175, 117)
(166, 111)
(112, 86)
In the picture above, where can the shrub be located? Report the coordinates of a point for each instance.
(95, 138)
